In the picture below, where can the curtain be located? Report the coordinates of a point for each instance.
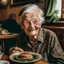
(50, 13)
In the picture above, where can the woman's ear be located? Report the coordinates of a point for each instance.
(22, 27)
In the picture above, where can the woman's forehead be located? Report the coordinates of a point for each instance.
(30, 15)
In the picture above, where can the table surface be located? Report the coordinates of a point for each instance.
(8, 36)
(5, 57)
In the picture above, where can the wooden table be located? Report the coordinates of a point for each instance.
(5, 57)
(3, 37)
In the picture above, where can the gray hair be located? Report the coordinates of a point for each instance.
(29, 8)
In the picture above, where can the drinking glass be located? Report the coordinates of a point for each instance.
(4, 62)
(0, 49)
(1, 53)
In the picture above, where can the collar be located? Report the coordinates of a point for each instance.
(40, 36)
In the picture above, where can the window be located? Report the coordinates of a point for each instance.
(59, 7)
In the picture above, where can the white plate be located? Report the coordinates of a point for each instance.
(34, 60)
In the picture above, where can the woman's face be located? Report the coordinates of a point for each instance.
(31, 23)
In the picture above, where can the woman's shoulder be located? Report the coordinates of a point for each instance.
(50, 32)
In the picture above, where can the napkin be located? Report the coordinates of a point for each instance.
(1, 54)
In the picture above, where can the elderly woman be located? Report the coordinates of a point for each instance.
(37, 39)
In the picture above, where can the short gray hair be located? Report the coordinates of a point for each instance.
(29, 8)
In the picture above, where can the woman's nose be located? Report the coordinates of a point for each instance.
(32, 25)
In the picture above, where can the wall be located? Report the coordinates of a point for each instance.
(4, 13)
(63, 9)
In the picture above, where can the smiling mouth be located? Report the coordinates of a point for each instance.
(32, 30)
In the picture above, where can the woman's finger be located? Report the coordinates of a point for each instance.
(18, 49)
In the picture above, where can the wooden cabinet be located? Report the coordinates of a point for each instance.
(3, 14)
(62, 12)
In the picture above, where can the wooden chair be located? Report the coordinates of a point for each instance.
(59, 32)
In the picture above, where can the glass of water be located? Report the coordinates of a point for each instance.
(0, 49)
(1, 53)
(4, 62)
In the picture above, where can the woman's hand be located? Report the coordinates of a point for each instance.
(15, 49)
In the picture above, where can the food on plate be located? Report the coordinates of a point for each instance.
(4, 31)
(26, 55)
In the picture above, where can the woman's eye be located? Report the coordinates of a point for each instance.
(35, 21)
(26, 22)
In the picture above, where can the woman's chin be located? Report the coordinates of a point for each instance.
(32, 34)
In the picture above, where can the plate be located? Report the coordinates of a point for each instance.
(35, 58)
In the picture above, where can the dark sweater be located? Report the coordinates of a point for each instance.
(11, 25)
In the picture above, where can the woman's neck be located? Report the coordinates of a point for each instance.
(33, 39)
